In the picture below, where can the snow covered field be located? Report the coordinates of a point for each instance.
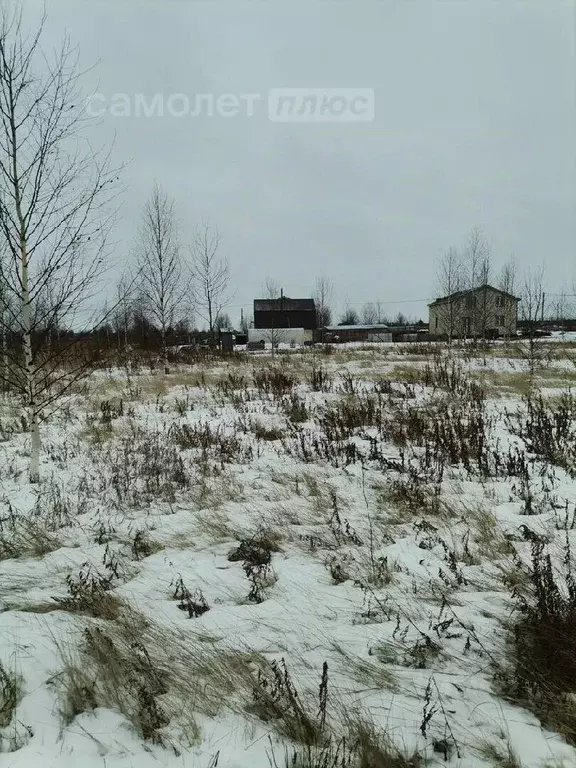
(317, 560)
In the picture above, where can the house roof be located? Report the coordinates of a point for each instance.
(284, 304)
(459, 294)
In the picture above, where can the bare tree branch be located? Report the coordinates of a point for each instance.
(54, 219)
(164, 284)
(210, 275)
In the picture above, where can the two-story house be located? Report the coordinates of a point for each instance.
(484, 312)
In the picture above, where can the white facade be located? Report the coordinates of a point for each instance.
(290, 336)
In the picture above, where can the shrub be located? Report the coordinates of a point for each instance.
(146, 466)
(295, 408)
(342, 420)
(548, 429)
(268, 434)
(256, 549)
(276, 700)
(193, 602)
(544, 677)
(213, 442)
(274, 382)
(89, 593)
(320, 379)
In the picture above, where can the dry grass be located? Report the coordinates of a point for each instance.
(373, 675)
(154, 676)
(488, 539)
(500, 757)
(506, 383)
(26, 537)
(521, 383)
(10, 694)
(363, 746)
(161, 678)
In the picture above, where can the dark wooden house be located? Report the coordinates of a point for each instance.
(285, 313)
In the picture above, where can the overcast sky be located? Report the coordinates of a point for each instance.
(475, 125)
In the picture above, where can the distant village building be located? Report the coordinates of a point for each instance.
(283, 321)
(338, 334)
(485, 312)
(285, 313)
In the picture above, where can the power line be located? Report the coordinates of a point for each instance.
(394, 301)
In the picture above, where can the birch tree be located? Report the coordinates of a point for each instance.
(164, 284)
(5, 313)
(210, 275)
(54, 192)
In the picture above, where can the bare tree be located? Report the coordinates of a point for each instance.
(531, 313)
(210, 275)
(382, 317)
(450, 282)
(123, 314)
(223, 321)
(507, 282)
(323, 292)
(53, 195)
(245, 323)
(369, 314)
(274, 337)
(163, 282)
(507, 277)
(476, 259)
(477, 273)
(271, 289)
(401, 319)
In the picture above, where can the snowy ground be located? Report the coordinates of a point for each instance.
(352, 545)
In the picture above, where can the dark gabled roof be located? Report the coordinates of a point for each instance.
(284, 305)
(459, 294)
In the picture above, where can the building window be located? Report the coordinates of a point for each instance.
(500, 320)
(466, 321)
(499, 301)
(436, 323)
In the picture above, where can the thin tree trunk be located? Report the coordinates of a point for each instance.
(35, 448)
(4, 355)
(164, 349)
(31, 405)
